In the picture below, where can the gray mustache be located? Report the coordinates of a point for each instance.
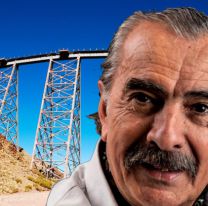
(152, 156)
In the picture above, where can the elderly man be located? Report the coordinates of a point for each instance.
(153, 113)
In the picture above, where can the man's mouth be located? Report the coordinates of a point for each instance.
(160, 173)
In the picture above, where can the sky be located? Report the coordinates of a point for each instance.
(35, 27)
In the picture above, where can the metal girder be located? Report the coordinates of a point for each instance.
(54, 56)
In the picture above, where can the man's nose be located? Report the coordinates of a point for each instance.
(167, 130)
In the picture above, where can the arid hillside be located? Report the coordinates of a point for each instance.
(15, 173)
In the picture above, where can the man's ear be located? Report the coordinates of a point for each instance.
(102, 111)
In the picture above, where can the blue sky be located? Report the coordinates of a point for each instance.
(34, 27)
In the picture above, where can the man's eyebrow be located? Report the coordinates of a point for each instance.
(135, 84)
(197, 94)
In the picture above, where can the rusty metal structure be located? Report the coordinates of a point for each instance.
(56, 149)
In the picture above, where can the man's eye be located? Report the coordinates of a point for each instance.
(199, 108)
(142, 97)
(145, 103)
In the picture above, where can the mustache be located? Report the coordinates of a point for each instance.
(153, 157)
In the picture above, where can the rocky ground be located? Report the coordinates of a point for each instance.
(15, 173)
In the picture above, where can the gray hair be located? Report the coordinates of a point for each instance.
(185, 22)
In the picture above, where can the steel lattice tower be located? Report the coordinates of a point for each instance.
(58, 133)
(57, 142)
(9, 103)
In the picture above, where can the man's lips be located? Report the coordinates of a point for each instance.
(162, 174)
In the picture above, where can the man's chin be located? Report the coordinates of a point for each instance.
(161, 197)
(156, 188)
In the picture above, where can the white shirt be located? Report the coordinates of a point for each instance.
(87, 186)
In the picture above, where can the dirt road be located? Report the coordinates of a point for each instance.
(24, 199)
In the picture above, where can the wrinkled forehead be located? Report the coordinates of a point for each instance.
(154, 47)
(156, 41)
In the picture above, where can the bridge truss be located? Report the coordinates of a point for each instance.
(57, 141)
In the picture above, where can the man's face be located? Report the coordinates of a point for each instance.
(159, 98)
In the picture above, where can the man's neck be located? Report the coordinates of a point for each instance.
(104, 163)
